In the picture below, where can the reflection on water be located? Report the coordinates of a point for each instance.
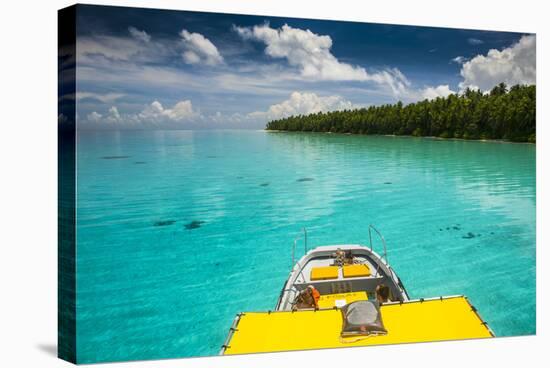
(169, 251)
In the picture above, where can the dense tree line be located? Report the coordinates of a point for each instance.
(499, 114)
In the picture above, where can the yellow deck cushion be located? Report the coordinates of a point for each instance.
(324, 273)
(329, 300)
(451, 318)
(356, 270)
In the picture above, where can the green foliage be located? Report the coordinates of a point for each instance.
(499, 114)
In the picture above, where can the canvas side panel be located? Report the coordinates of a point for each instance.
(66, 161)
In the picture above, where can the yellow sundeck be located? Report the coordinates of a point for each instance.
(449, 318)
(331, 288)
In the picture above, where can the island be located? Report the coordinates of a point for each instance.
(500, 114)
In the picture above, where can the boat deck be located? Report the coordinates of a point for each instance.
(446, 318)
(318, 268)
(339, 300)
(306, 275)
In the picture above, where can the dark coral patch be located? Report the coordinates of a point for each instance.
(195, 224)
(164, 222)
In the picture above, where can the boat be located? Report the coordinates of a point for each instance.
(328, 284)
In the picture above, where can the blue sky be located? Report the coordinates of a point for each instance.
(159, 69)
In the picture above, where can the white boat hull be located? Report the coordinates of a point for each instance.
(300, 275)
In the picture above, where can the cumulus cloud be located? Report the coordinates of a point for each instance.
(304, 49)
(113, 117)
(302, 103)
(139, 35)
(513, 65)
(154, 114)
(311, 54)
(431, 93)
(199, 49)
(94, 117)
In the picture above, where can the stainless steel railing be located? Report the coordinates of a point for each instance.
(298, 237)
(384, 256)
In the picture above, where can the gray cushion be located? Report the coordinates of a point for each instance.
(362, 318)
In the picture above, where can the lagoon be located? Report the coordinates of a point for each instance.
(177, 231)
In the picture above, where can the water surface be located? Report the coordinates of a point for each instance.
(180, 230)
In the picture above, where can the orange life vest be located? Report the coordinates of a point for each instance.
(316, 295)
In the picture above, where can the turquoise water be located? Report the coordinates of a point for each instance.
(180, 230)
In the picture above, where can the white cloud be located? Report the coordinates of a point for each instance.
(114, 48)
(156, 113)
(234, 119)
(304, 49)
(302, 103)
(199, 49)
(139, 35)
(513, 65)
(396, 80)
(94, 117)
(311, 54)
(190, 57)
(431, 93)
(113, 117)
(459, 60)
(112, 51)
(475, 41)
(102, 97)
